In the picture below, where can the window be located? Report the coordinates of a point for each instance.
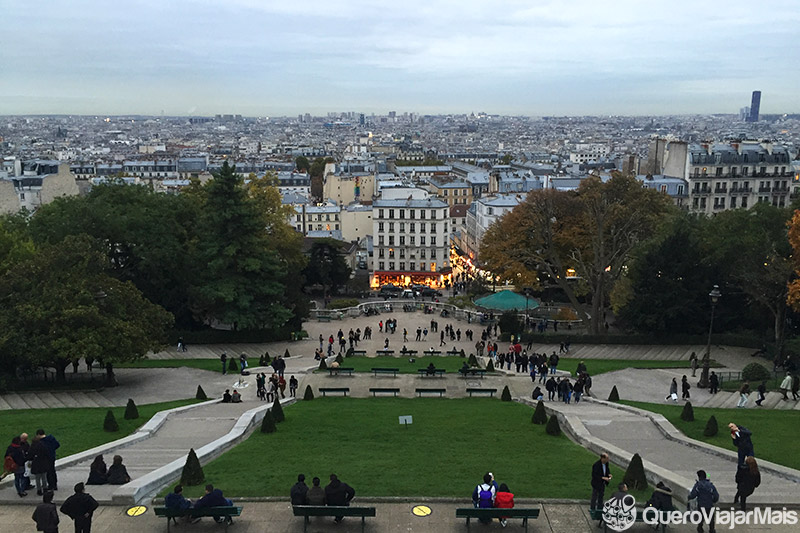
(402, 252)
(719, 171)
(391, 253)
(402, 213)
(391, 240)
(695, 202)
(402, 227)
(744, 201)
(336, 226)
(433, 254)
(680, 190)
(310, 227)
(433, 241)
(402, 240)
(391, 265)
(733, 203)
(380, 213)
(412, 240)
(422, 240)
(734, 171)
(422, 214)
(422, 228)
(702, 203)
(391, 213)
(422, 254)
(380, 226)
(433, 213)
(411, 212)
(327, 218)
(412, 227)
(422, 266)
(380, 240)
(664, 189)
(380, 252)
(490, 211)
(381, 265)
(745, 171)
(391, 227)
(433, 228)
(402, 265)
(297, 218)
(412, 266)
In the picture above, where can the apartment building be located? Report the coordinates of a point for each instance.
(483, 213)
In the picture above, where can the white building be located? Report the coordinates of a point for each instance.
(483, 213)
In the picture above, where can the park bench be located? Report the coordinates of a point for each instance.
(361, 353)
(472, 372)
(432, 352)
(378, 390)
(392, 371)
(490, 392)
(453, 352)
(324, 318)
(440, 392)
(340, 370)
(173, 514)
(308, 511)
(408, 352)
(597, 515)
(343, 390)
(436, 372)
(516, 512)
(385, 352)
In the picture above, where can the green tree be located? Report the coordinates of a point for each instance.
(507, 159)
(192, 474)
(687, 414)
(131, 411)
(239, 282)
(635, 476)
(277, 410)
(552, 427)
(712, 428)
(201, 394)
(613, 396)
(110, 423)
(326, 266)
(539, 414)
(61, 305)
(301, 163)
(268, 423)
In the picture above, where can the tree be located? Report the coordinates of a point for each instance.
(110, 423)
(509, 322)
(505, 396)
(712, 428)
(687, 414)
(613, 396)
(507, 159)
(277, 410)
(131, 412)
(552, 427)
(201, 394)
(301, 163)
(635, 476)
(239, 282)
(309, 393)
(192, 474)
(539, 414)
(268, 423)
(326, 266)
(593, 230)
(61, 305)
(756, 372)
(490, 366)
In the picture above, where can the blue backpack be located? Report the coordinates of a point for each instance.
(484, 497)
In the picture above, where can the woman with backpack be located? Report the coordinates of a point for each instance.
(484, 494)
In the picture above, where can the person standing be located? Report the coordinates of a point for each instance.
(551, 387)
(706, 494)
(748, 478)
(39, 457)
(299, 491)
(224, 359)
(713, 383)
(744, 393)
(762, 393)
(80, 507)
(601, 476)
(15, 463)
(46, 515)
(742, 439)
(338, 494)
(292, 386)
(693, 362)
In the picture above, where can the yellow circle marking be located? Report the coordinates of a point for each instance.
(421, 510)
(136, 510)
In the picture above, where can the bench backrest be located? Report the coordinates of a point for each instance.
(331, 510)
(200, 511)
(494, 512)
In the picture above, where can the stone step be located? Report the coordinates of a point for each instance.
(4, 405)
(83, 400)
(731, 401)
(772, 400)
(51, 400)
(99, 399)
(784, 406)
(16, 401)
(34, 401)
(717, 399)
(66, 398)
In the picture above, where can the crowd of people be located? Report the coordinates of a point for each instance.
(24, 459)
(335, 493)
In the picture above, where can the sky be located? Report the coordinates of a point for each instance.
(528, 57)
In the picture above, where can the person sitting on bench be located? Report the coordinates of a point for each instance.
(214, 498)
(176, 500)
(464, 368)
(316, 494)
(431, 370)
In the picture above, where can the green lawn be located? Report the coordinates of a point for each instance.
(445, 452)
(214, 365)
(601, 366)
(78, 428)
(774, 431)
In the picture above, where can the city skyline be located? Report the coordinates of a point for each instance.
(511, 58)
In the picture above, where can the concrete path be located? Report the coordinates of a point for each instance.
(631, 431)
(276, 517)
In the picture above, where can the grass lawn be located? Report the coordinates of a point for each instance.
(78, 428)
(213, 365)
(445, 452)
(774, 431)
(601, 366)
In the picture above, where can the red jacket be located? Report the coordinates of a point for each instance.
(504, 500)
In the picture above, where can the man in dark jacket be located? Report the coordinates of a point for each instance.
(707, 495)
(46, 515)
(551, 387)
(742, 440)
(14, 451)
(52, 445)
(601, 475)
(39, 456)
(338, 494)
(299, 491)
(214, 498)
(80, 507)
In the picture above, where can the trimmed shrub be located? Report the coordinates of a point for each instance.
(614, 395)
(232, 365)
(267, 359)
(342, 303)
(277, 410)
(131, 412)
(473, 361)
(309, 394)
(201, 394)
(110, 423)
(192, 474)
(505, 396)
(286, 353)
(322, 364)
(634, 475)
(552, 427)
(539, 414)
(756, 372)
(490, 366)
(462, 354)
(688, 412)
(712, 428)
(268, 423)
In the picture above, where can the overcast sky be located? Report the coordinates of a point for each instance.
(528, 57)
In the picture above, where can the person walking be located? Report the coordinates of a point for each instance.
(46, 514)
(744, 393)
(685, 388)
(601, 476)
(338, 494)
(762, 393)
(706, 495)
(786, 386)
(748, 478)
(80, 507)
(551, 387)
(292, 387)
(673, 391)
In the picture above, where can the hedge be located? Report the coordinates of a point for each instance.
(223, 336)
(725, 339)
(342, 303)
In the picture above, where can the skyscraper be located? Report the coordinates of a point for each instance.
(755, 104)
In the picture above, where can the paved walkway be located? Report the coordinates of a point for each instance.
(276, 517)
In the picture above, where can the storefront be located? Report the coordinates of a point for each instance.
(436, 280)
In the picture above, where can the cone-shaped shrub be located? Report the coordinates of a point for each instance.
(552, 427)
(277, 410)
(614, 395)
(201, 394)
(712, 428)
(322, 364)
(634, 475)
(473, 361)
(268, 424)
(110, 423)
(131, 412)
(192, 474)
(340, 359)
(462, 354)
(267, 359)
(232, 366)
(490, 366)
(309, 394)
(506, 394)
(688, 412)
(539, 415)
(286, 353)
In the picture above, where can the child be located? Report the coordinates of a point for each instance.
(504, 499)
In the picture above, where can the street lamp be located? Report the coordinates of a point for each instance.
(527, 292)
(715, 295)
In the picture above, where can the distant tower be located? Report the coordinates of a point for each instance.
(755, 106)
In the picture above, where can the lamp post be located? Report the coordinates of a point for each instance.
(527, 292)
(715, 295)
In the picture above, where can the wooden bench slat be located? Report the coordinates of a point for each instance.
(441, 392)
(376, 390)
(472, 391)
(344, 390)
(476, 512)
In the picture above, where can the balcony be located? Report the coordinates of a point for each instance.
(702, 191)
(780, 190)
(741, 191)
(764, 189)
